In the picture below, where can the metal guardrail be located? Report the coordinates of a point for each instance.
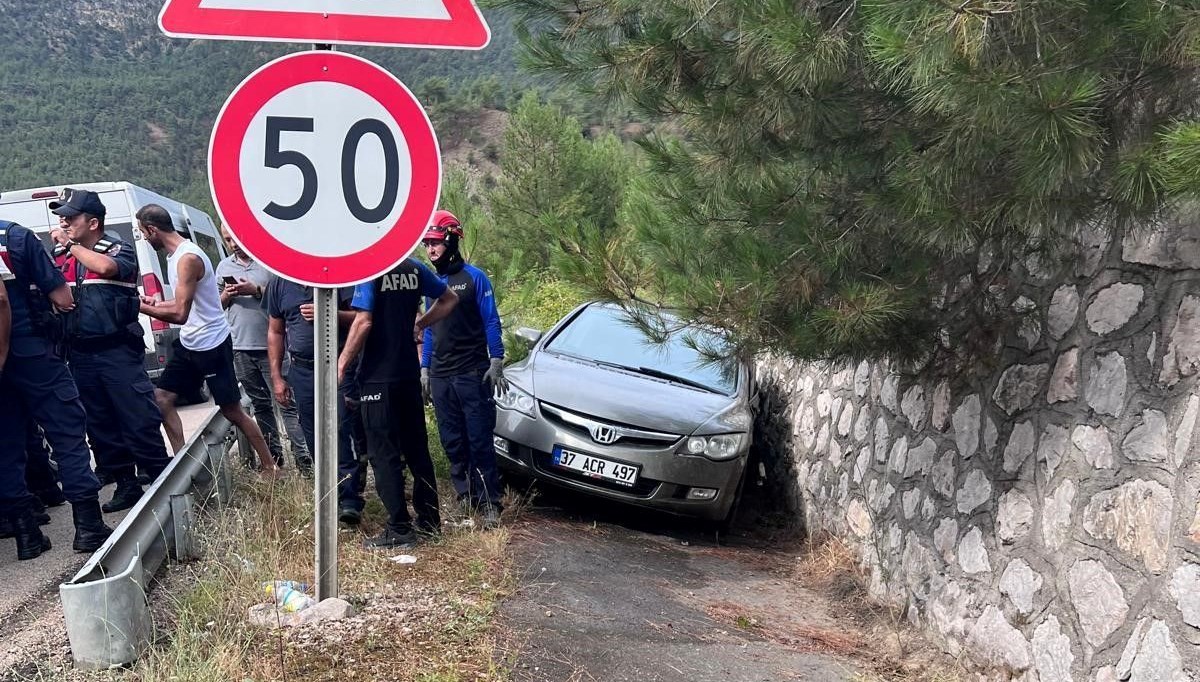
(105, 607)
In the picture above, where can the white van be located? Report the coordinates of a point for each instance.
(30, 207)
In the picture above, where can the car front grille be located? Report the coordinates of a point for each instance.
(584, 426)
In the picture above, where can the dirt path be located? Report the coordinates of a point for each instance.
(635, 597)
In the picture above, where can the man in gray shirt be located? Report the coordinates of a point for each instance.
(243, 282)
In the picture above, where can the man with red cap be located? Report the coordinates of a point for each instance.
(462, 364)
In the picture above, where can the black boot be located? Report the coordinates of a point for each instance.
(39, 512)
(126, 495)
(90, 530)
(31, 542)
(51, 497)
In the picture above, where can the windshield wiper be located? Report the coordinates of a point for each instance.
(650, 371)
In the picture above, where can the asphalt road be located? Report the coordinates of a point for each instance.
(624, 596)
(30, 613)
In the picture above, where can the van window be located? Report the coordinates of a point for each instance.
(31, 214)
(209, 246)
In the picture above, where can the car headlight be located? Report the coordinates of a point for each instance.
(516, 399)
(719, 447)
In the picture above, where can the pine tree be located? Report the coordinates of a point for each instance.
(832, 162)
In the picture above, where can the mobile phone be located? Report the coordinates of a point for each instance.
(230, 280)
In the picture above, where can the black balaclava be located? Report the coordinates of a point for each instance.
(451, 261)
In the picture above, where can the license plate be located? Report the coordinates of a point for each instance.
(596, 467)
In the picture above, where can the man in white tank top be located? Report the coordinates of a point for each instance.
(203, 353)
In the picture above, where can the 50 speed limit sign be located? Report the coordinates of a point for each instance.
(325, 168)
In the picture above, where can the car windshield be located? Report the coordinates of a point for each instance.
(606, 335)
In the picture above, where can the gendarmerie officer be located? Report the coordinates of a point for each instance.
(106, 352)
(37, 384)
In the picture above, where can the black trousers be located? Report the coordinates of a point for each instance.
(393, 416)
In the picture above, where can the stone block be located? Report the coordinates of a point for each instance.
(858, 519)
(942, 476)
(975, 491)
(920, 458)
(998, 643)
(1052, 448)
(862, 425)
(1056, 515)
(1052, 655)
(913, 407)
(1020, 583)
(1151, 655)
(824, 404)
(1064, 309)
(846, 420)
(1014, 517)
(1147, 441)
(1113, 307)
(1021, 444)
(1098, 599)
(1184, 434)
(1182, 359)
(910, 500)
(966, 426)
(1106, 385)
(1185, 589)
(1019, 386)
(1093, 444)
(941, 405)
(1064, 380)
(1136, 516)
(1030, 331)
(945, 539)
(882, 440)
(889, 394)
(898, 456)
(1171, 246)
(862, 379)
(972, 555)
(862, 464)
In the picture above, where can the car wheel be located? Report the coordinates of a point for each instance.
(723, 526)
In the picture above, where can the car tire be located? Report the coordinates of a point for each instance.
(723, 526)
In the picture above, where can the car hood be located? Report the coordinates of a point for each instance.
(616, 395)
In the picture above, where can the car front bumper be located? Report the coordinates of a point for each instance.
(667, 481)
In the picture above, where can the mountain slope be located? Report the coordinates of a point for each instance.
(91, 90)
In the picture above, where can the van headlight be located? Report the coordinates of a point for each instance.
(719, 447)
(517, 400)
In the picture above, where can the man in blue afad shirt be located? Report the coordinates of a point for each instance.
(462, 363)
(385, 330)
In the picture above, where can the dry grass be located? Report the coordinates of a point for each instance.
(425, 622)
(891, 651)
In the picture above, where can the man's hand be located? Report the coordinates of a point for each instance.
(147, 300)
(226, 297)
(59, 235)
(242, 288)
(308, 311)
(495, 374)
(426, 390)
(283, 392)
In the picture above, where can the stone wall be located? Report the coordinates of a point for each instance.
(1038, 507)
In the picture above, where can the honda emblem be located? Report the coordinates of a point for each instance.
(605, 435)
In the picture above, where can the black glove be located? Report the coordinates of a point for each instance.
(495, 374)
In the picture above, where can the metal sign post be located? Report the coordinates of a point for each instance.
(326, 479)
(325, 392)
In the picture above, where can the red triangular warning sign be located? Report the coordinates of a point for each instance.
(414, 23)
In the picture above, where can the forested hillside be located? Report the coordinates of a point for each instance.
(91, 90)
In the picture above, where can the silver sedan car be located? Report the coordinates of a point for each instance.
(600, 408)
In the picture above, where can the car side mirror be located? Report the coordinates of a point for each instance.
(529, 335)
